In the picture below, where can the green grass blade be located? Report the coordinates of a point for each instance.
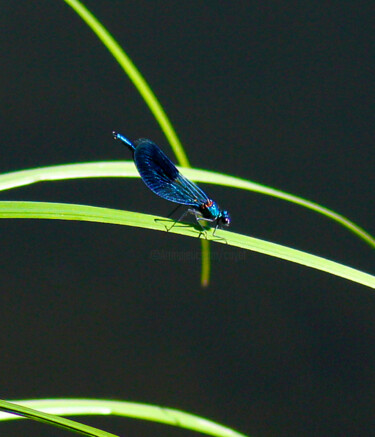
(51, 419)
(206, 263)
(62, 211)
(127, 169)
(134, 75)
(169, 416)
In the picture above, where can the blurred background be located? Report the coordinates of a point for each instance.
(278, 93)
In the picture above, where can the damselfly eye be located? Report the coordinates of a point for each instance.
(225, 218)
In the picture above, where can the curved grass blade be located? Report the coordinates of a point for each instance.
(127, 169)
(134, 75)
(168, 416)
(63, 211)
(51, 419)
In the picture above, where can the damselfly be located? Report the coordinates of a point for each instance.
(163, 178)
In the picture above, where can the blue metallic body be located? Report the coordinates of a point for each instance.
(163, 178)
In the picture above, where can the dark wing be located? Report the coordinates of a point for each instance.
(162, 177)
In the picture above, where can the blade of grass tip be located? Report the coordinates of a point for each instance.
(149, 97)
(51, 419)
(155, 413)
(61, 211)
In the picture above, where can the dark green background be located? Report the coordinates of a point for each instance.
(275, 92)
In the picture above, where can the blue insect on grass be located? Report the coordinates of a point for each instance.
(163, 178)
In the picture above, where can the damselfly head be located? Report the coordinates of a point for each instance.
(225, 218)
